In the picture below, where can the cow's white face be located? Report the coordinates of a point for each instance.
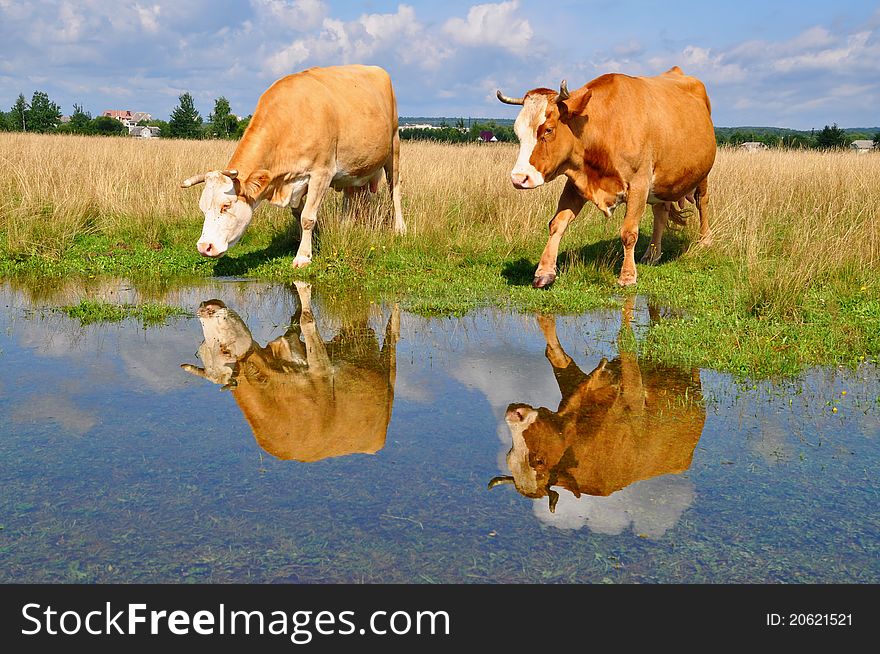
(227, 341)
(533, 114)
(519, 418)
(227, 215)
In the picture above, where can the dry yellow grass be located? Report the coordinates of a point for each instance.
(786, 217)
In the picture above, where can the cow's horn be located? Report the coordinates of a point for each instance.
(232, 173)
(192, 181)
(554, 498)
(200, 372)
(508, 100)
(497, 481)
(563, 92)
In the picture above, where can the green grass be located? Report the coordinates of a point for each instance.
(89, 312)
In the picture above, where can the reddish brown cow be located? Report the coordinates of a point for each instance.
(638, 140)
(621, 423)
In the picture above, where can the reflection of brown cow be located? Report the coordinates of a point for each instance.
(615, 426)
(304, 400)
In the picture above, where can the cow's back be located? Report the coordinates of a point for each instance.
(647, 431)
(663, 122)
(321, 117)
(303, 416)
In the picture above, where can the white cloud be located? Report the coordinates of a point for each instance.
(652, 507)
(496, 25)
(149, 17)
(299, 15)
(400, 35)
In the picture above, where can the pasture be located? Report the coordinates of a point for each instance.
(789, 282)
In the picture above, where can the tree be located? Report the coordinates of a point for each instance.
(831, 137)
(18, 115)
(80, 121)
(222, 122)
(877, 140)
(185, 120)
(242, 126)
(43, 116)
(106, 126)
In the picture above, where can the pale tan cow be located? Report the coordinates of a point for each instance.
(638, 140)
(303, 398)
(621, 423)
(322, 128)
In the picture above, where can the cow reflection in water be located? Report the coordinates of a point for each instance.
(621, 423)
(304, 399)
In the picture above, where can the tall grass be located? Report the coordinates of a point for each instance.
(788, 220)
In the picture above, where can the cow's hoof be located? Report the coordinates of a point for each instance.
(706, 240)
(651, 255)
(301, 261)
(543, 281)
(627, 280)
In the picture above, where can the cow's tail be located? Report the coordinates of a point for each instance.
(678, 217)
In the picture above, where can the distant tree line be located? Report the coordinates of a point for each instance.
(830, 137)
(444, 133)
(43, 116)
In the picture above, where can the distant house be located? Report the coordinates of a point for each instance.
(143, 131)
(64, 119)
(126, 117)
(862, 146)
(486, 136)
(752, 146)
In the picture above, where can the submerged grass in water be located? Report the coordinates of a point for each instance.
(89, 312)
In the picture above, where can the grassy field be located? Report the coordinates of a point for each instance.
(790, 281)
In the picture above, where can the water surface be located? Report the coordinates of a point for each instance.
(310, 437)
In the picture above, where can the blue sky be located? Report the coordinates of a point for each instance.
(789, 64)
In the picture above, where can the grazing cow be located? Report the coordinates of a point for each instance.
(617, 425)
(639, 140)
(320, 128)
(304, 400)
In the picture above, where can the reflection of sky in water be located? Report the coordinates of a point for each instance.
(119, 466)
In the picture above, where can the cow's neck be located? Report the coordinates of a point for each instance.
(591, 170)
(250, 155)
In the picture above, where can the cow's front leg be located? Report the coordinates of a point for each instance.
(636, 201)
(652, 254)
(570, 204)
(318, 185)
(316, 351)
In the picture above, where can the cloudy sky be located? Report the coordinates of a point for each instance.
(793, 64)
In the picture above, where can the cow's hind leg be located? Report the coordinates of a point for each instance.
(570, 204)
(652, 254)
(392, 174)
(702, 198)
(318, 185)
(297, 220)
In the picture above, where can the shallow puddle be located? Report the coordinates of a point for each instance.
(286, 434)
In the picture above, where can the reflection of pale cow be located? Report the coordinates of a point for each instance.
(304, 399)
(619, 424)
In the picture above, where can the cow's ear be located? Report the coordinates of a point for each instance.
(255, 183)
(576, 104)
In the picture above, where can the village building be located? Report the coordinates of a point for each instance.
(862, 146)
